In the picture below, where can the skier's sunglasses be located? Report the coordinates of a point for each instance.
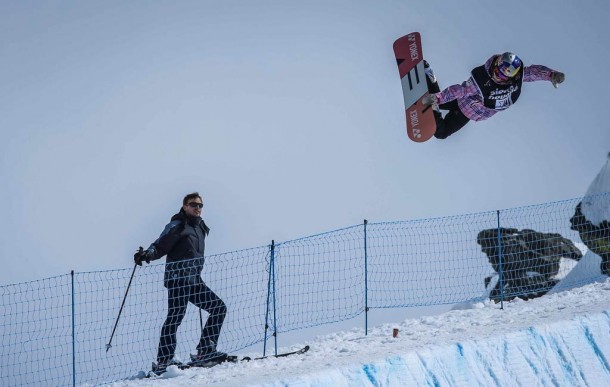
(195, 205)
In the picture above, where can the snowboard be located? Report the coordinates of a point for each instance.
(421, 124)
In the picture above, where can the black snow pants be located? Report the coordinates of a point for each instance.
(452, 122)
(180, 293)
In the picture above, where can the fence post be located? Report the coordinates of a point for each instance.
(270, 290)
(500, 263)
(366, 283)
(273, 276)
(271, 251)
(73, 334)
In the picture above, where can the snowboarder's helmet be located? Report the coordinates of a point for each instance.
(508, 65)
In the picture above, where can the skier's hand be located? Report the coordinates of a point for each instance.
(557, 77)
(141, 255)
(429, 100)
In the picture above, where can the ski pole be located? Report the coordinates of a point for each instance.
(108, 346)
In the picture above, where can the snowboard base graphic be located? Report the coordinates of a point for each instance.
(421, 124)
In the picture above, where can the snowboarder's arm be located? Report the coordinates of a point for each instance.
(535, 73)
(457, 91)
(165, 242)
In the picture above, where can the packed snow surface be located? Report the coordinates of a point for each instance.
(559, 339)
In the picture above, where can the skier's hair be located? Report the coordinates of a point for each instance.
(191, 196)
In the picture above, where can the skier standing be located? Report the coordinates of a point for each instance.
(183, 240)
(492, 87)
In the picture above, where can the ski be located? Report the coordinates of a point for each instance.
(195, 364)
(208, 364)
(228, 359)
(297, 352)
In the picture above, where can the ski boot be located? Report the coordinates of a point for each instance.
(208, 354)
(161, 366)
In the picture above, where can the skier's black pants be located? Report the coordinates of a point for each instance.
(179, 295)
(453, 121)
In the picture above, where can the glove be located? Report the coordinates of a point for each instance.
(142, 255)
(557, 78)
(429, 100)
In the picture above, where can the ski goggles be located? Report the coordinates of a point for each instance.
(499, 74)
(504, 70)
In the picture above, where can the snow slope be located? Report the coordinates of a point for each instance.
(559, 339)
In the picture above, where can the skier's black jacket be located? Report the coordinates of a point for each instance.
(183, 241)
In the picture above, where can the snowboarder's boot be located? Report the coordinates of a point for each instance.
(431, 79)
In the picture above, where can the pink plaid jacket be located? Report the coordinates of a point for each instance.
(470, 100)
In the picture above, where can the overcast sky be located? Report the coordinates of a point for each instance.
(286, 116)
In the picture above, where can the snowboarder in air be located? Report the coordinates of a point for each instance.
(492, 87)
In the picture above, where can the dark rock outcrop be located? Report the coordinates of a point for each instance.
(596, 238)
(530, 260)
